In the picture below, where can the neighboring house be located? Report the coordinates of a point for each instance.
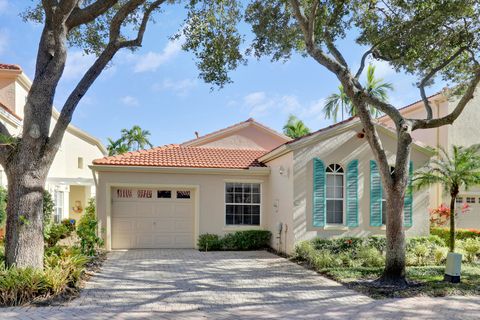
(465, 131)
(250, 177)
(70, 181)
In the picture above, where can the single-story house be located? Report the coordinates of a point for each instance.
(248, 176)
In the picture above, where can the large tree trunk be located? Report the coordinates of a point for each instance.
(394, 273)
(24, 244)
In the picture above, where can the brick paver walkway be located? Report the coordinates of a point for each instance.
(187, 284)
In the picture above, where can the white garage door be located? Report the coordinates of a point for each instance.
(152, 218)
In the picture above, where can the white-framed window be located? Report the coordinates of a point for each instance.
(59, 206)
(80, 162)
(335, 194)
(471, 200)
(459, 199)
(242, 203)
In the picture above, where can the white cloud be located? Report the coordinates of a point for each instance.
(152, 60)
(261, 104)
(130, 101)
(258, 103)
(179, 87)
(77, 64)
(3, 39)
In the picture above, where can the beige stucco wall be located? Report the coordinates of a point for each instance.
(281, 194)
(465, 131)
(209, 193)
(342, 149)
(65, 174)
(249, 136)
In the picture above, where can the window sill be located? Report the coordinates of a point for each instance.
(240, 227)
(336, 228)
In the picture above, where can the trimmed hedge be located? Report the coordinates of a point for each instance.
(460, 234)
(237, 241)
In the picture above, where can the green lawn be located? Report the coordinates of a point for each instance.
(426, 280)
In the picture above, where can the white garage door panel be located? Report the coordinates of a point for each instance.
(152, 223)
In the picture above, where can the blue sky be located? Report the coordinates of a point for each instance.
(158, 88)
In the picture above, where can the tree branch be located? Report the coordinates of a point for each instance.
(450, 118)
(333, 49)
(82, 16)
(362, 62)
(96, 69)
(302, 21)
(374, 141)
(429, 76)
(143, 26)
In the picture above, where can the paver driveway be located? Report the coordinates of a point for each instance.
(187, 284)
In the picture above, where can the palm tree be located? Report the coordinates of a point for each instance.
(295, 128)
(335, 102)
(136, 138)
(340, 102)
(116, 147)
(456, 171)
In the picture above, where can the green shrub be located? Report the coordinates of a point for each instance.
(421, 252)
(18, 286)
(472, 248)
(56, 232)
(431, 241)
(460, 234)
(239, 240)
(63, 269)
(339, 244)
(48, 208)
(370, 257)
(378, 242)
(69, 223)
(368, 252)
(304, 250)
(87, 230)
(439, 255)
(247, 240)
(209, 242)
(323, 259)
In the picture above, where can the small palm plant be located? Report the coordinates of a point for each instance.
(339, 102)
(295, 128)
(460, 169)
(136, 138)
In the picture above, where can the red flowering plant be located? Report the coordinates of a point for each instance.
(439, 217)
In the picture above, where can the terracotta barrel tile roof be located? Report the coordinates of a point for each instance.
(190, 157)
(6, 66)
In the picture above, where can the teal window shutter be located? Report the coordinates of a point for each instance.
(408, 202)
(375, 195)
(318, 193)
(352, 194)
